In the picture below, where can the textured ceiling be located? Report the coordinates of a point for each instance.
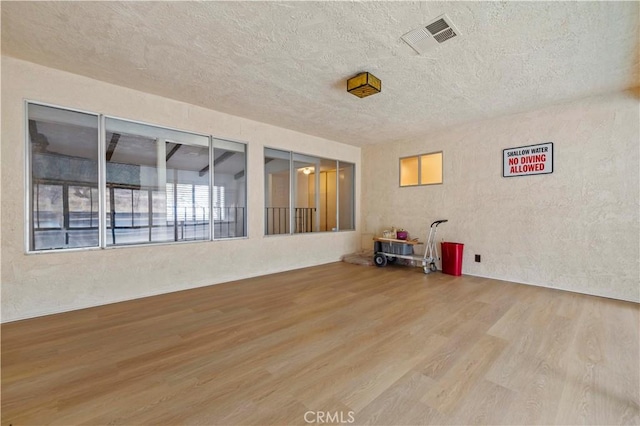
(286, 63)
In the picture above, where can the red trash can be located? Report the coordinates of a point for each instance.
(452, 258)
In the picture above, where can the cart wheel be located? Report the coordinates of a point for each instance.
(391, 260)
(380, 260)
(426, 269)
(433, 267)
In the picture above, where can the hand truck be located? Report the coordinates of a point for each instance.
(388, 250)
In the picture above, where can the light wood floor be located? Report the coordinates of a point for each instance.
(390, 345)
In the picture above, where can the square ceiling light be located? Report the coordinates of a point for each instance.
(364, 84)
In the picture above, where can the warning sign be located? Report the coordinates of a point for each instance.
(528, 160)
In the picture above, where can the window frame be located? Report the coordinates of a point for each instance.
(264, 192)
(28, 181)
(292, 196)
(419, 158)
(102, 182)
(245, 218)
(353, 196)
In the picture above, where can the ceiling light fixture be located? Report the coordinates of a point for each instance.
(364, 84)
(307, 171)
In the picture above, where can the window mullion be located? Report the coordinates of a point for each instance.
(102, 184)
(337, 195)
(175, 205)
(150, 213)
(211, 192)
(317, 193)
(291, 195)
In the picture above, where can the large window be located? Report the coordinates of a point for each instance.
(307, 194)
(156, 184)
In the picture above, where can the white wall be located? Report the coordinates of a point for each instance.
(39, 284)
(575, 229)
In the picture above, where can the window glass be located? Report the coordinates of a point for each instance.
(161, 212)
(327, 195)
(346, 190)
(305, 213)
(277, 177)
(83, 207)
(63, 159)
(229, 190)
(152, 175)
(409, 171)
(48, 211)
(431, 168)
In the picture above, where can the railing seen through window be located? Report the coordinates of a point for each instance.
(143, 213)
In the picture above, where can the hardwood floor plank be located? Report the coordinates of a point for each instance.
(537, 400)
(461, 378)
(486, 404)
(465, 336)
(389, 407)
(598, 390)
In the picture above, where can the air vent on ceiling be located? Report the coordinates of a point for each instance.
(434, 33)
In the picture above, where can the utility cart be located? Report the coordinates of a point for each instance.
(388, 250)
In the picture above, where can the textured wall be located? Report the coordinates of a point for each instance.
(38, 284)
(576, 229)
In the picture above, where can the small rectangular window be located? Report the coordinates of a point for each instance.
(423, 169)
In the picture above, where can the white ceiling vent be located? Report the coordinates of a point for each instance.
(434, 33)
